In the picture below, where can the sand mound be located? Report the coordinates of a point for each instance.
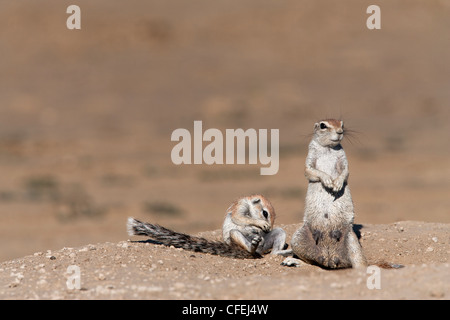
(142, 270)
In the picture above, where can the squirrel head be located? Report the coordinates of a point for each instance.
(257, 207)
(329, 133)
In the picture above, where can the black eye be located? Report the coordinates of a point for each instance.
(265, 214)
(323, 126)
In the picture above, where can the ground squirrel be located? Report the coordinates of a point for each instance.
(247, 231)
(327, 238)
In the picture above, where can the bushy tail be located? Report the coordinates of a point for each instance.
(185, 241)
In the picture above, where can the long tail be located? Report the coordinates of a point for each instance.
(180, 240)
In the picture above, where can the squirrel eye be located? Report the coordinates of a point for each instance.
(265, 214)
(323, 126)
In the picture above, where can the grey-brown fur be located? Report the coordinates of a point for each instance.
(249, 222)
(327, 237)
(247, 232)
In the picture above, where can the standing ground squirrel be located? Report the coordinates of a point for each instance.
(247, 231)
(327, 237)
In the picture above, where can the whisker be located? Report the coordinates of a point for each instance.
(352, 136)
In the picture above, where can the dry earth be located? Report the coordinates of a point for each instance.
(141, 270)
(86, 119)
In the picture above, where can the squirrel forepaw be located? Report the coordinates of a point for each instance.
(256, 240)
(338, 184)
(327, 181)
(265, 226)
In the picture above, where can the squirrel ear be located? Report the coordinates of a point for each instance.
(244, 208)
(256, 200)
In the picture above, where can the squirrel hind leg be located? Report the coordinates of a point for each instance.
(304, 245)
(240, 240)
(275, 241)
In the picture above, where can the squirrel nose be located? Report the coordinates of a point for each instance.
(339, 131)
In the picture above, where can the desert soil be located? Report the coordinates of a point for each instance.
(142, 270)
(86, 118)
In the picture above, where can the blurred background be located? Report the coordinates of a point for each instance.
(86, 116)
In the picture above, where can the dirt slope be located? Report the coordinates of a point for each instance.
(139, 270)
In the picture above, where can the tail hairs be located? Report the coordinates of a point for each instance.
(169, 237)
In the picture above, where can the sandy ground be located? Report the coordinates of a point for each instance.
(86, 119)
(141, 270)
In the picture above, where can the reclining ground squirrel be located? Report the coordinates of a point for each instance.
(247, 232)
(327, 238)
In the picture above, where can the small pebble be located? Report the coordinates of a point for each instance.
(41, 282)
(101, 277)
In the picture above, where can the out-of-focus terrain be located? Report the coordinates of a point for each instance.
(86, 116)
